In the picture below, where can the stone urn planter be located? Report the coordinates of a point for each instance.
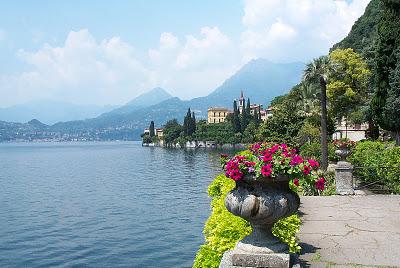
(262, 202)
(343, 153)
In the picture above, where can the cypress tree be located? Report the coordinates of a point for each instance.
(243, 118)
(187, 121)
(152, 130)
(248, 111)
(255, 118)
(386, 101)
(236, 119)
(193, 129)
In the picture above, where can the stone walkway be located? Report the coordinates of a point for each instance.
(356, 231)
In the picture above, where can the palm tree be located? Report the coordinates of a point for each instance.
(308, 99)
(317, 71)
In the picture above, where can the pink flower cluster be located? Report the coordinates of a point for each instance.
(320, 184)
(233, 169)
(266, 160)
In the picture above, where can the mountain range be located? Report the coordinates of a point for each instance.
(51, 112)
(260, 80)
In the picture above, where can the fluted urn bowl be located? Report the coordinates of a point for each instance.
(262, 202)
(343, 153)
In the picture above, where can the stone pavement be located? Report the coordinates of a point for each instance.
(350, 231)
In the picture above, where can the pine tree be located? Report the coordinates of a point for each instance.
(151, 129)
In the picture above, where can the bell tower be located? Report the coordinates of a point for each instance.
(241, 102)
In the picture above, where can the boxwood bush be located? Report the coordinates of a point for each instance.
(223, 230)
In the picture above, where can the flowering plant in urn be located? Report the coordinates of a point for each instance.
(343, 147)
(266, 161)
(262, 194)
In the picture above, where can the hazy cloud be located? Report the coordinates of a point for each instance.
(86, 70)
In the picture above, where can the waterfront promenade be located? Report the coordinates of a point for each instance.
(350, 231)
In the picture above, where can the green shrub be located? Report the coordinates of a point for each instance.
(313, 150)
(377, 161)
(223, 230)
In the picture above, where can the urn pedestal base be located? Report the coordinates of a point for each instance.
(239, 259)
(259, 249)
(344, 178)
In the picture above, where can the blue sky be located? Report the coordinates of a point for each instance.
(102, 52)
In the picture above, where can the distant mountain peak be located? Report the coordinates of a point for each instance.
(149, 98)
(36, 123)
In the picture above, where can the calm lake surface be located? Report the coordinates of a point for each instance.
(102, 204)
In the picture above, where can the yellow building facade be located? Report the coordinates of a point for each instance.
(217, 115)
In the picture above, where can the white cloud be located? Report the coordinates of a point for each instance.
(81, 71)
(285, 30)
(195, 66)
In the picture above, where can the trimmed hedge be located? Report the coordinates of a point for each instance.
(223, 230)
(377, 161)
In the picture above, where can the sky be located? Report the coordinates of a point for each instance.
(108, 52)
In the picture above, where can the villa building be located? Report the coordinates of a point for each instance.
(160, 133)
(354, 132)
(217, 115)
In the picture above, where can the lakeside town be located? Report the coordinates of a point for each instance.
(153, 136)
(262, 133)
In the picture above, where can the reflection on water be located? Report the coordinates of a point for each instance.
(102, 204)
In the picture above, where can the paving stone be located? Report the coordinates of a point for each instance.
(350, 231)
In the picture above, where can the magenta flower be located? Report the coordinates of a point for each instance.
(249, 163)
(267, 157)
(266, 170)
(274, 149)
(306, 170)
(296, 160)
(231, 165)
(286, 154)
(236, 174)
(240, 157)
(313, 163)
(296, 182)
(320, 184)
(284, 147)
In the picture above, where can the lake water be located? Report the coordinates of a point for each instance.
(102, 204)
